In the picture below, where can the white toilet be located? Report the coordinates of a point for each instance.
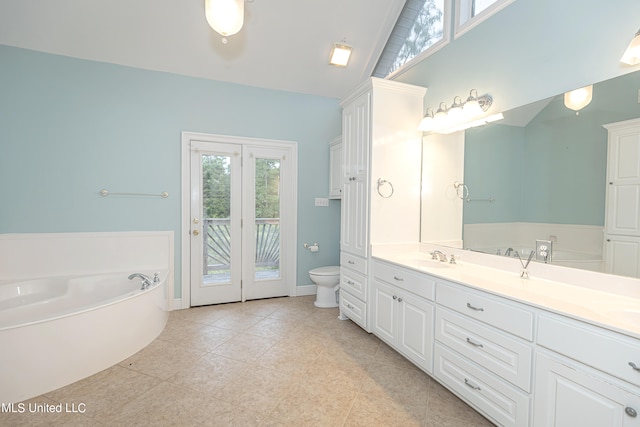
(328, 281)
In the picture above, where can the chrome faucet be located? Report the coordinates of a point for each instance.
(438, 255)
(146, 281)
(508, 252)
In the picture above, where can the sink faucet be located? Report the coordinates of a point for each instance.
(438, 255)
(508, 252)
(146, 281)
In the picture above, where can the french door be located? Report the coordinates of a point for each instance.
(242, 220)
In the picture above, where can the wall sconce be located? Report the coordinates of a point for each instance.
(225, 16)
(460, 115)
(340, 54)
(631, 56)
(578, 99)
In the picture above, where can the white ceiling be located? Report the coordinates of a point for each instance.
(283, 45)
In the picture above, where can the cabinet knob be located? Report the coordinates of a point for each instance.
(631, 412)
(395, 297)
(399, 299)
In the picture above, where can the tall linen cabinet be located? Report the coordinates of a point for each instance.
(381, 160)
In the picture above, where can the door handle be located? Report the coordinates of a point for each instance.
(195, 232)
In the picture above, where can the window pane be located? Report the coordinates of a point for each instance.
(480, 5)
(267, 216)
(420, 26)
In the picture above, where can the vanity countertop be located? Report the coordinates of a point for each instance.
(608, 310)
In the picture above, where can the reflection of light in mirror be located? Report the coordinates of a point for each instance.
(579, 98)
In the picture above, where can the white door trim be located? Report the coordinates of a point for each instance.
(289, 241)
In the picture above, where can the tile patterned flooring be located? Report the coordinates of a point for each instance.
(275, 362)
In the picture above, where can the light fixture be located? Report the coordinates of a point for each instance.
(631, 56)
(460, 115)
(225, 16)
(578, 99)
(340, 54)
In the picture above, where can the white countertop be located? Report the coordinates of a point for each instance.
(606, 309)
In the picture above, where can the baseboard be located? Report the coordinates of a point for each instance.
(305, 290)
(176, 304)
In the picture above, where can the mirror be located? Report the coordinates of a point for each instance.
(537, 175)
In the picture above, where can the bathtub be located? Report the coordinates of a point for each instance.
(573, 259)
(59, 330)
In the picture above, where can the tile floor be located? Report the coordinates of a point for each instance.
(276, 362)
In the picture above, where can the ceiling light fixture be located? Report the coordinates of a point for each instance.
(578, 99)
(225, 16)
(340, 54)
(460, 115)
(631, 56)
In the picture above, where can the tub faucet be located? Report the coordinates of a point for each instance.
(146, 281)
(508, 252)
(438, 255)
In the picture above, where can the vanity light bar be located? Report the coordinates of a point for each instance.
(460, 115)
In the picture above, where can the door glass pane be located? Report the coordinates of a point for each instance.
(267, 214)
(216, 204)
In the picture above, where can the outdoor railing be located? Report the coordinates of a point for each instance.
(217, 243)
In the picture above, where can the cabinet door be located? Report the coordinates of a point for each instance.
(623, 186)
(385, 312)
(622, 255)
(415, 330)
(356, 128)
(568, 395)
(335, 168)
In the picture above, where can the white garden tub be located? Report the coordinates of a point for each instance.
(59, 330)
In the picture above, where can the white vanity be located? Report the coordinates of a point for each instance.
(522, 352)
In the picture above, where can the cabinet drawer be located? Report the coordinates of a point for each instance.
(601, 349)
(353, 262)
(354, 309)
(354, 283)
(495, 398)
(505, 356)
(506, 315)
(419, 284)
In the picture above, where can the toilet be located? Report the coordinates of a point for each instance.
(328, 281)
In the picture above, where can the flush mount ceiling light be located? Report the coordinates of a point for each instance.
(631, 56)
(460, 115)
(340, 54)
(578, 99)
(225, 16)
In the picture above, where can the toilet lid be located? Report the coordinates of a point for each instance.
(331, 270)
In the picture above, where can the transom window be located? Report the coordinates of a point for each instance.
(423, 27)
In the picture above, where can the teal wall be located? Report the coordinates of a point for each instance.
(554, 169)
(71, 127)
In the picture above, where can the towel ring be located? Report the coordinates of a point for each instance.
(382, 182)
(465, 190)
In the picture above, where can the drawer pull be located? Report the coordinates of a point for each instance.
(350, 282)
(350, 262)
(634, 366)
(349, 306)
(399, 279)
(471, 385)
(631, 412)
(474, 343)
(474, 307)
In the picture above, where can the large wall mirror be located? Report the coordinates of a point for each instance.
(539, 174)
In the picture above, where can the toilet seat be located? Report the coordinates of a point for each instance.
(331, 270)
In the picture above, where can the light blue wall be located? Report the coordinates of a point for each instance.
(531, 50)
(554, 169)
(70, 127)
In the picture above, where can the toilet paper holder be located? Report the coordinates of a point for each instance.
(312, 248)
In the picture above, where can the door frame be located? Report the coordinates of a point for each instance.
(288, 240)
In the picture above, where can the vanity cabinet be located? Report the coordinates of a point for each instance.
(335, 168)
(402, 319)
(586, 376)
(484, 351)
(622, 213)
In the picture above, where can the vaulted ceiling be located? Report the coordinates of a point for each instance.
(284, 44)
